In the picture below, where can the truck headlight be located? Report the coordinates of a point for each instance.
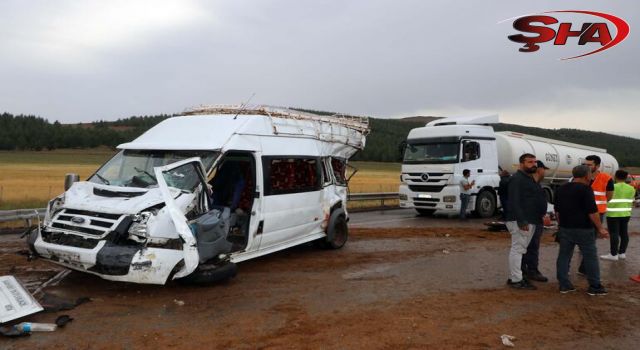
(403, 197)
(449, 199)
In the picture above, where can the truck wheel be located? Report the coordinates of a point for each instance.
(425, 212)
(485, 204)
(337, 231)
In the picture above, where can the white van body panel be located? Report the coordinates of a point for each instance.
(81, 227)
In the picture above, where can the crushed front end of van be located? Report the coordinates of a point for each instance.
(124, 229)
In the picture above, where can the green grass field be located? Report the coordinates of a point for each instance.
(28, 179)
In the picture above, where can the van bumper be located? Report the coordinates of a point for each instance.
(137, 264)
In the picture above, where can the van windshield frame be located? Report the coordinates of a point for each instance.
(135, 168)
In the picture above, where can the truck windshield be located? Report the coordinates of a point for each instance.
(134, 168)
(432, 153)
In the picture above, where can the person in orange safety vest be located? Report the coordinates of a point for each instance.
(602, 186)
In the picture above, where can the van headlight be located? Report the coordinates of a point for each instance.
(138, 229)
(449, 199)
(55, 205)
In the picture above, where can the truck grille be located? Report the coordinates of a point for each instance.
(428, 188)
(91, 223)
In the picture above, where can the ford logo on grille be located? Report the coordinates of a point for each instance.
(425, 177)
(77, 220)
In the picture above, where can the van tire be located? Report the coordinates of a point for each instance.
(337, 230)
(211, 274)
(485, 204)
(425, 212)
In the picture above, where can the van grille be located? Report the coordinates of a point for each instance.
(91, 223)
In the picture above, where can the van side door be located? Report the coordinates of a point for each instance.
(292, 203)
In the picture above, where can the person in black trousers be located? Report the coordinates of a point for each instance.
(503, 191)
(530, 258)
(577, 215)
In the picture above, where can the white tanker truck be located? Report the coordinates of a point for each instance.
(436, 155)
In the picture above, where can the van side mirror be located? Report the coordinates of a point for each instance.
(70, 179)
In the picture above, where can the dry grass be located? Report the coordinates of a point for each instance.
(375, 177)
(24, 185)
(30, 179)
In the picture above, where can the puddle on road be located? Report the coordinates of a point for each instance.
(370, 272)
(396, 244)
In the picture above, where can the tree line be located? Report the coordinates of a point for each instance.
(29, 132)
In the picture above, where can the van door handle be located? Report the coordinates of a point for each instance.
(260, 227)
(479, 170)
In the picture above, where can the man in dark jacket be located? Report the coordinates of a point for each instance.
(522, 217)
(530, 258)
(503, 191)
(577, 215)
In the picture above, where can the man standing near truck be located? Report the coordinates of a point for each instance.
(465, 186)
(530, 258)
(522, 217)
(602, 186)
(503, 191)
(618, 215)
(577, 217)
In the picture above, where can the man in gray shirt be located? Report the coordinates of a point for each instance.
(465, 186)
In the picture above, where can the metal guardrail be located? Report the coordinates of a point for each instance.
(374, 196)
(30, 214)
(21, 214)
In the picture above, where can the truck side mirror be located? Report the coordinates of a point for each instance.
(401, 148)
(70, 179)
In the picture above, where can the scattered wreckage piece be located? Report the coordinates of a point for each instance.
(53, 281)
(16, 300)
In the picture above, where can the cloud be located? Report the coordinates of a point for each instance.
(79, 61)
(71, 34)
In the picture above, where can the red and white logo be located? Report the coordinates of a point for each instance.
(596, 31)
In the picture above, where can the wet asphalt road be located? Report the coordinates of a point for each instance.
(409, 218)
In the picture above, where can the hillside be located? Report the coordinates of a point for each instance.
(34, 133)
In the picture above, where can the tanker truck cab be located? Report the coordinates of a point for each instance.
(436, 155)
(200, 192)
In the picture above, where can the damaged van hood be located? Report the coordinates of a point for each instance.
(113, 199)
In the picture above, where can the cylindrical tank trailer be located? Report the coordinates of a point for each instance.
(560, 157)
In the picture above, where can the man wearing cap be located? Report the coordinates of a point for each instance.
(530, 258)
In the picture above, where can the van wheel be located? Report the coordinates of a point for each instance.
(425, 212)
(337, 231)
(485, 204)
(206, 274)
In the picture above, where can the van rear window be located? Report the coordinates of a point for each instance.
(291, 175)
(339, 167)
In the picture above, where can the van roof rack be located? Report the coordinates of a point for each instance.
(359, 123)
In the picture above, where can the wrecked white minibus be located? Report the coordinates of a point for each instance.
(200, 192)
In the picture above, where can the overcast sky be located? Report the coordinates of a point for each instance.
(80, 61)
